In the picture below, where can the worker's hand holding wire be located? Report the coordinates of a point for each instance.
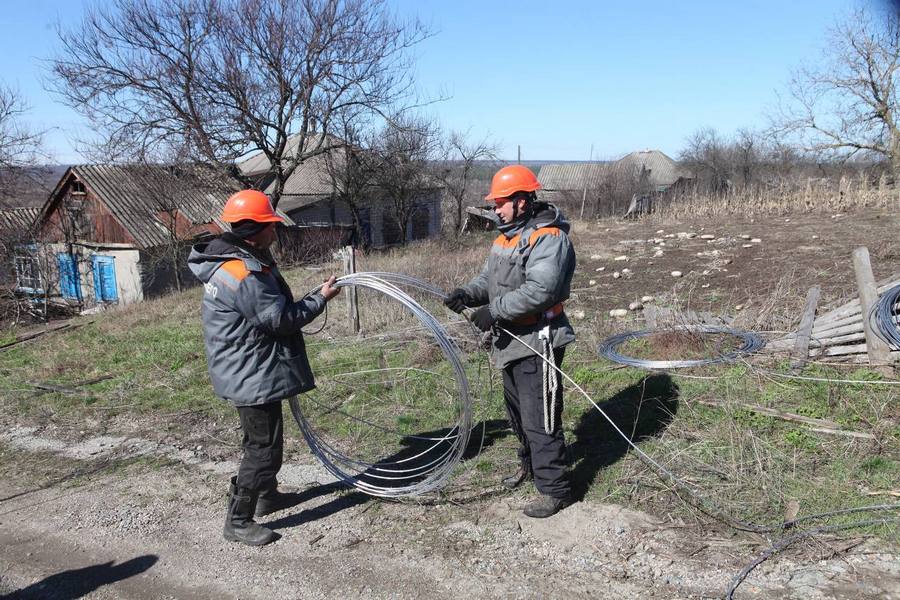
(329, 290)
(483, 319)
(456, 300)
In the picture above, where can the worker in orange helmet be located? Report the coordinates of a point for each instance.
(255, 352)
(521, 288)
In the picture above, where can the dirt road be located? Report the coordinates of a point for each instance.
(120, 517)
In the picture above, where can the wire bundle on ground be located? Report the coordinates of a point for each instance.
(430, 464)
(885, 316)
(609, 348)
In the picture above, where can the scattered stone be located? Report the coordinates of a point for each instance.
(596, 257)
(618, 312)
(600, 269)
(646, 299)
(707, 236)
(670, 235)
(660, 231)
(815, 237)
(787, 220)
(706, 271)
(626, 272)
(592, 282)
(747, 246)
(686, 235)
(616, 275)
(676, 273)
(705, 285)
(745, 236)
(620, 258)
(756, 241)
(739, 307)
(576, 314)
(635, 306)
(657, 254)
(727, 261)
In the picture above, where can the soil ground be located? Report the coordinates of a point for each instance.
(124, 510)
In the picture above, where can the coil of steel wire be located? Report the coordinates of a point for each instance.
(609, 348)
(426, 468)
(885, 317)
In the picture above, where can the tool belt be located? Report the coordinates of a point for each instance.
(549, 314)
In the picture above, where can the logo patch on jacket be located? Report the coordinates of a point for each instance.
(211, 289)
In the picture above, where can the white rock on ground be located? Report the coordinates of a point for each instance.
(707, 236)
(596, 257)
(646, 299)
(592, 282)
(576, 314)
(676, 273)
(756, 241)
(635, 306)
(747, 246)
(600, 269)
(616, 275)
(620, 258)
(618, 312)
(744, 236)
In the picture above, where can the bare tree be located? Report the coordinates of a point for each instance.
(850, 106)
(459, 157)
(21, 147)
(224, 78)
(405, 151)
(708, 155)
(351, 171)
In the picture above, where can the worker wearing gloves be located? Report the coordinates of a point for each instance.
(522, 287)
(255, 351)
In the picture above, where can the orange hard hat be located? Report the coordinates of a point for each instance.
(509, 180)
(249, 205)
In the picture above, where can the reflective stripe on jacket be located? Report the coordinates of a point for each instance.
(251, 326)
(528, 271)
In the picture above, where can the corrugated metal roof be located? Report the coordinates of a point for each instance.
(18, 220)
(577, 176)
(137, 194)
(572, 176)
(663, 170)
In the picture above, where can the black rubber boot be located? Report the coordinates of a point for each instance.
(546, 506)
(239, 523)
(272, 501)
(522, 474)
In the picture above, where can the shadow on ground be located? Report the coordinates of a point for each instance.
(642, 410)
(77, 583)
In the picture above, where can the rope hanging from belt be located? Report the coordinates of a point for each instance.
(550, 380)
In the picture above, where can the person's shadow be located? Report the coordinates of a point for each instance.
(77, 583)
(641, 410)
(418, 450)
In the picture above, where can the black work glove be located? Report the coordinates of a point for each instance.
(483, 319)
(456, 300)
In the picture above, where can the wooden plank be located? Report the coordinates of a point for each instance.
(801, 344)
(852, 307)
(878, 350)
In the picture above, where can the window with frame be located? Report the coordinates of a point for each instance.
(28, 275)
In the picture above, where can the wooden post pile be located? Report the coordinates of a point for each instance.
(843, 334)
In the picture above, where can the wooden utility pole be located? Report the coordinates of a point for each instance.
(877, 349)
(352, 306)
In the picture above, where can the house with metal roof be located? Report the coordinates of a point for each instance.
(607, 188)
(115, 234)
(311, 196)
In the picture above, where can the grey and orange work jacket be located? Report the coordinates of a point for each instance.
(251, 325)
(525, 281)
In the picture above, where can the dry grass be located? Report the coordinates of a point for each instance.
(845, 195)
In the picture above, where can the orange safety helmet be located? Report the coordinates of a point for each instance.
(250, 205)
(509, 180)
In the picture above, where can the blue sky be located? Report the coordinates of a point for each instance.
(555, 78)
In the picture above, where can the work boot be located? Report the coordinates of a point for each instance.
(546, 506)
(239, 523)
(272, 500)
(522, 474)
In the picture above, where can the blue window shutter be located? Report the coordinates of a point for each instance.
(69, 283)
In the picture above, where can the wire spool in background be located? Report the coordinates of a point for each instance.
(609, 348)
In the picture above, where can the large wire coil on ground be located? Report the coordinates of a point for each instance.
(428, 467)
(609, 348)
(885, 317)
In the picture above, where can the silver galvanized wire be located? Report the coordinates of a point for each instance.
(885, 316)
(609, 348)
(427, 470)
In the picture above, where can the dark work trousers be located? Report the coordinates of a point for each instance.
(263, 446)
(522, 383)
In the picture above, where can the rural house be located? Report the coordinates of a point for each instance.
(610, 188)
(312, 198)
(119, 233)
